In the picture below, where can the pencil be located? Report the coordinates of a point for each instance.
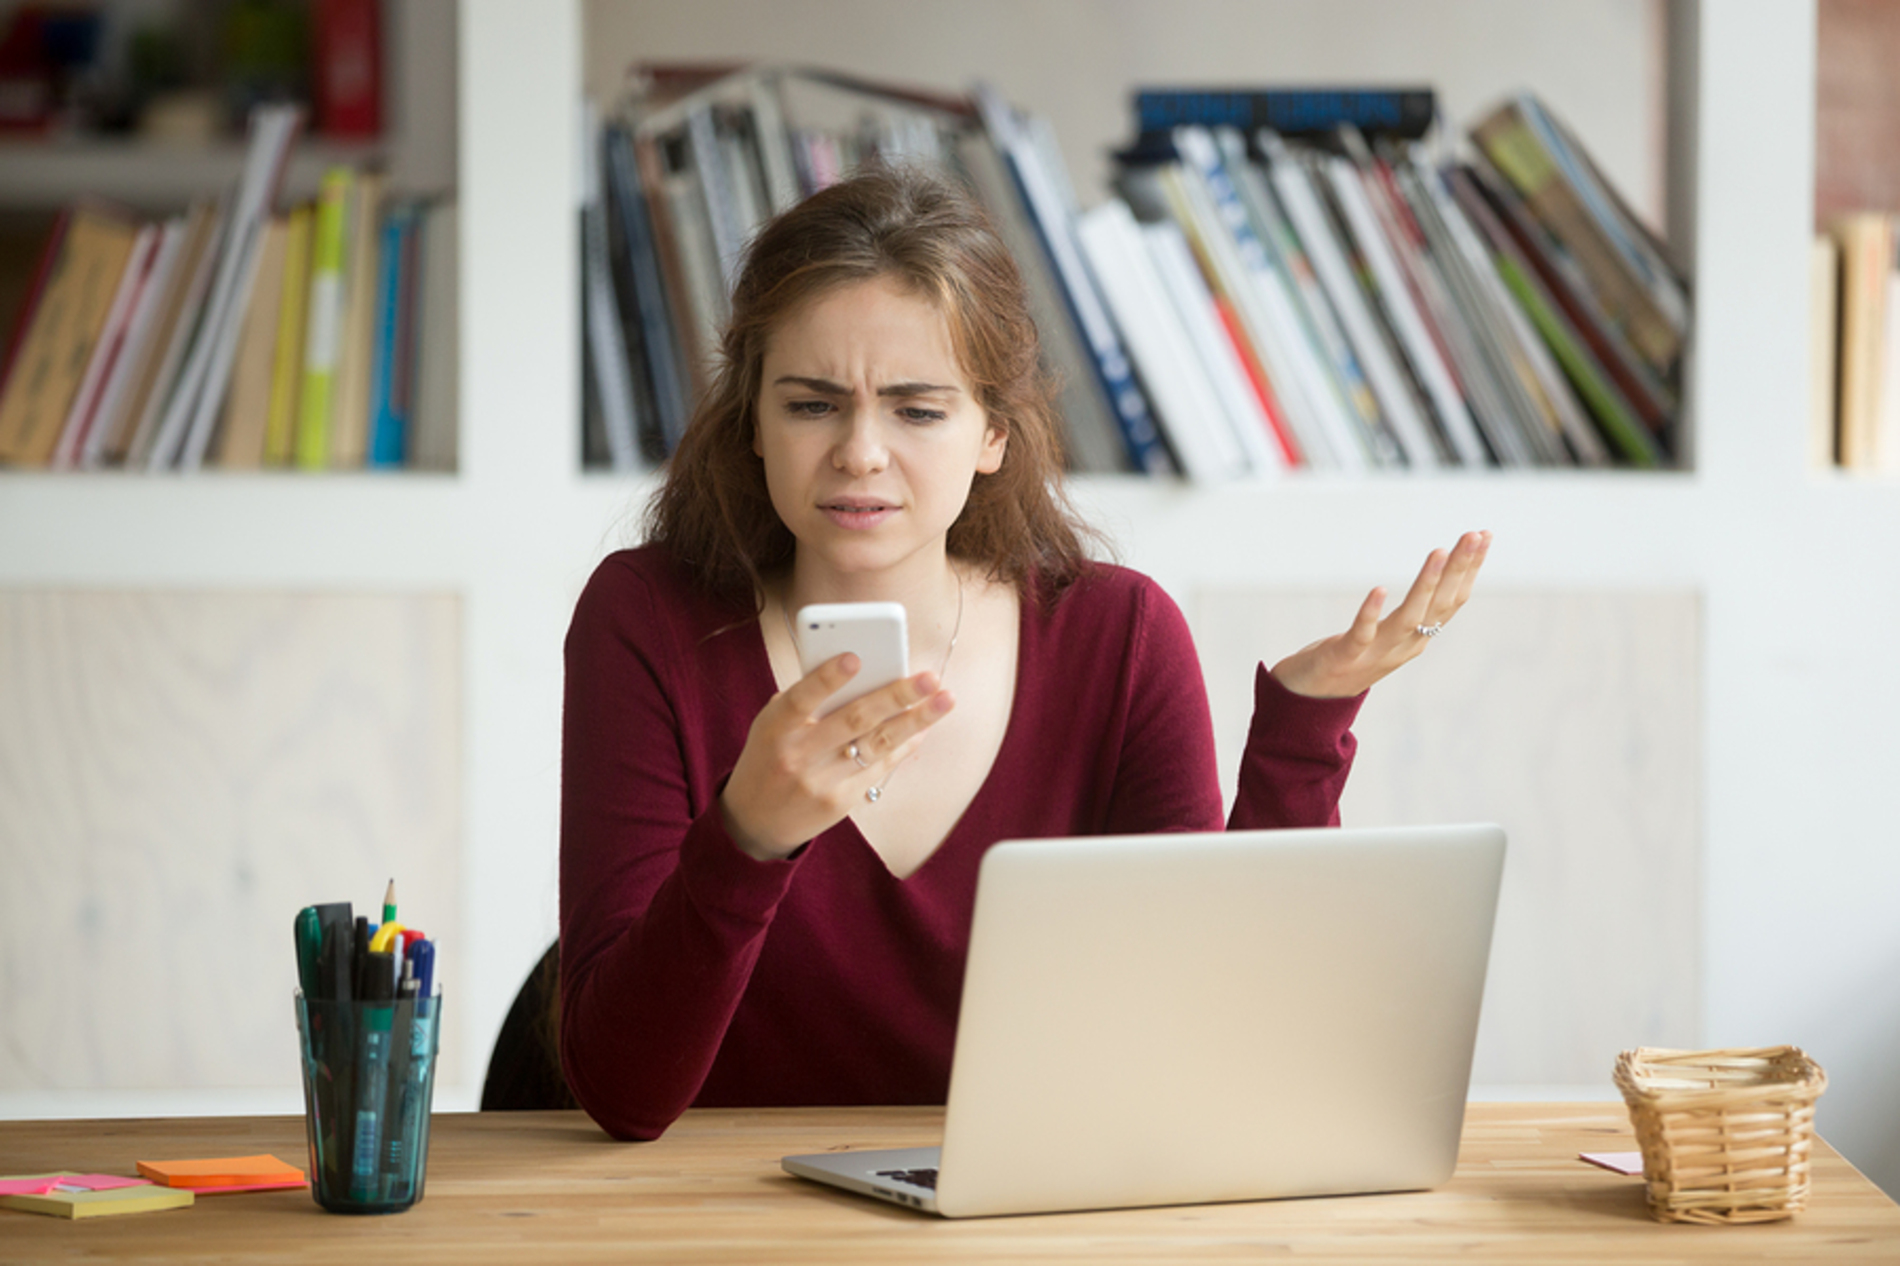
(389, 902)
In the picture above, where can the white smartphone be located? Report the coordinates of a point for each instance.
(876, 632)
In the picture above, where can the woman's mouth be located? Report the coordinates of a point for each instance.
(856, 513)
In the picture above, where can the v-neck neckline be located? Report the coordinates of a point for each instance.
(763, 662)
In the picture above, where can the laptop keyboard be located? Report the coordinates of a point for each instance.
(915, 1177)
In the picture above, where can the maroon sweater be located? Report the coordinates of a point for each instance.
(693, 974)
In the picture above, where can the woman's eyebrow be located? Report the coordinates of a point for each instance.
(826, 387)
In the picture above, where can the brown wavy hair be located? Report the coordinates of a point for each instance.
(712, 510)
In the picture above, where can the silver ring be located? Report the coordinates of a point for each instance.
(1431, 630)
(854, 754)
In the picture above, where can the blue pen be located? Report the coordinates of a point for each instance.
(420, 958)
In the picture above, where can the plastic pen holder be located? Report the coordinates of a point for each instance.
(368, 1078)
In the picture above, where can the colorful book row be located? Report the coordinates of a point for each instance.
(240, 334)
(1252, 301)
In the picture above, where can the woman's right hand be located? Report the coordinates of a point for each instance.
(797, 776)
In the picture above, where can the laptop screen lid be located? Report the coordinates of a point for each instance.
(1186, 1018)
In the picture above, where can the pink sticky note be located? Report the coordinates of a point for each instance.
(102, 1182)
(1615, 1162)
(37, 1186)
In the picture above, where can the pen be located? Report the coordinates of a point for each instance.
(371, 1076)
(413, 1124)
(308, 934)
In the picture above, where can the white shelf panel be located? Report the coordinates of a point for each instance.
(232, 530)
(154, 177)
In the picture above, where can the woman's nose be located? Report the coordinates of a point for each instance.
(861, 449)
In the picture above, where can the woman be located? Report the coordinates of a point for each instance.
(765, 905)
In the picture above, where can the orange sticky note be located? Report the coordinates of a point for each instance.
(230, 1171)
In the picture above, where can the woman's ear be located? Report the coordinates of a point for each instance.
(989, 458)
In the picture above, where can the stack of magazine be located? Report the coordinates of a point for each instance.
(1284, 279)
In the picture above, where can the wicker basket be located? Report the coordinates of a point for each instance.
(1727, 1135)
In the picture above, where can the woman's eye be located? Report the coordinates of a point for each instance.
(922, 415)
(807, 408)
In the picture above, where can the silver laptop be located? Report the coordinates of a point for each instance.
(1178, 1019)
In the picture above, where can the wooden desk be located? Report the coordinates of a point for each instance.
(549, 1188)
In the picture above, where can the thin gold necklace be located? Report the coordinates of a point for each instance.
(876, 793)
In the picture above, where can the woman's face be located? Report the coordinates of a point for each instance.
(869, 430)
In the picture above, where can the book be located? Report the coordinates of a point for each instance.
(608, 361)
(242, 432)
(1514, 431)
(286, 388)
(1313, 312)
(197, 401)
(1201, 197)
(1092, 438)
(24, 282)
(639, 286)
(1521, 425)
(1382, 240)
(1218, 344)
(106, 437)
(1824, 300)
(179, 323)
(1055, 230)
(323, 321)
(65, 327)
(438, 341)
(1649, 311)
(347, 67)
(1614, 416)
(108, 348)
(1867, 259)
(1300, 193)
(1170, 370)
(1526, 364)
(1292, 112)
(349, 407)
(1653, 395)
(391, 362)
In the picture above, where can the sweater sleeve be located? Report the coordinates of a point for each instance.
(1299, 751)
(662, 916)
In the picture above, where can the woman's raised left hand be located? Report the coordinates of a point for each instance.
(1349, 663)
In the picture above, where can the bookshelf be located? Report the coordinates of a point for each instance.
(1785, 933)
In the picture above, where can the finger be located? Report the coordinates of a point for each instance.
(892, 742)
(1411, 611)
(806, 695)
(1365, 624)
(1477, 561)
(1461, 570)
(867, 712)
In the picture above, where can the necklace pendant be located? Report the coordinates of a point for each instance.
(873, 794)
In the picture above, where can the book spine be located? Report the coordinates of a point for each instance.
(1407, 112)
(106, 352)
(323, 326)
(386, 440)
(103, 438)
(347, 67)
(287, 365)
(625, 195)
